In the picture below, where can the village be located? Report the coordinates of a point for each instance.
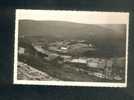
(71, 53)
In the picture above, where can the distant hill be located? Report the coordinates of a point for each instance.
(69, 30)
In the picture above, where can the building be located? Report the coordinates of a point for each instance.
(79, 60)
(21, 50)
(39, 49)
(109, 69)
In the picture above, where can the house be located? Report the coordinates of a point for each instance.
(63, 48)
(96, 63)
(39, 49)
(93, 64)
(79, 60)
(21, 50)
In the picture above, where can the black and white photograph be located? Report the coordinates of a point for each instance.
(71, 48)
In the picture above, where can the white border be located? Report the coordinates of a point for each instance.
(112, 17)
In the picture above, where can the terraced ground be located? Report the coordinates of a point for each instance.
(26, 72)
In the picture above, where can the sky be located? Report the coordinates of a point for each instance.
(87, 17)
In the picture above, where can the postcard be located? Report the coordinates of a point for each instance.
(71, 48)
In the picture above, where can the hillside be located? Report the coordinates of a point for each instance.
(107, 38)
(70, 30)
